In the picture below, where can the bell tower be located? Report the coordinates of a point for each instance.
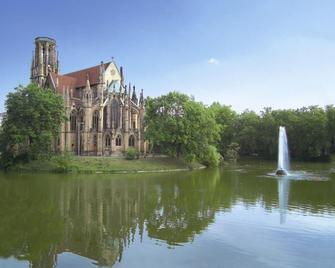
(45, 60)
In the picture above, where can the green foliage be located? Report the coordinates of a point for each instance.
(226, 119)
(232, 152)
(32, 124)
(311, 131)
(179, 126)
(131, 153)
(210, 157)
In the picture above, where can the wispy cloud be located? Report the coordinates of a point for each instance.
(213, 61)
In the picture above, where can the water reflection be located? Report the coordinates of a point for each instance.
(283, 197)
(98, 217)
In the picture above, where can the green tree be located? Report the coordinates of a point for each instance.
(330, 112)
(180, 126)
(226, 118)
(31, 125)
(247, 126)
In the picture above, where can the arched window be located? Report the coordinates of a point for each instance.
(105, 117)
(95, 120)
(95, 92)
(131, 141)
(115, 113)
(108, 141)
(118, 141)
(134, 124)
(73, 121)
(81, 119)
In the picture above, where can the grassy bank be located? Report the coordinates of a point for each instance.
(75, 164)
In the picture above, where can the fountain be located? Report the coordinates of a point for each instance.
(283, 156)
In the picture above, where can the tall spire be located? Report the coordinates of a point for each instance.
(88, 81)
(134, 97)
(141, 98)
(101, 72)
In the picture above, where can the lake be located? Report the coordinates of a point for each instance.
(239, 216)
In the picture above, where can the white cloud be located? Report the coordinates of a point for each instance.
(213, 61)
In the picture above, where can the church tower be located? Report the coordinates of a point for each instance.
(45, 60)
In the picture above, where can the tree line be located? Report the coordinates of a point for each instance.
(177, 125)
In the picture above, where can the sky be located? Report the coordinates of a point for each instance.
(247, 54)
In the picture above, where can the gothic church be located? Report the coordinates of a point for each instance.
(105, 117)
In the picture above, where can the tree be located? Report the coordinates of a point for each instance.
(180, 126)
(226, 118)
(31, 125)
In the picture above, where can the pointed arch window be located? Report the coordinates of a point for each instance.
(108, 141)
(73, 121)
(131, 141)
(81, 119)
(95, 120)
(105, 117)
(115, 113)
(118, 140)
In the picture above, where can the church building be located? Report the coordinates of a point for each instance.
(105, 117)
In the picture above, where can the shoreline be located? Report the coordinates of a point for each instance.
(90, 165)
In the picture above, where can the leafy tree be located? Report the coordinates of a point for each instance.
(232, 152)
(180, 126)
(31, 125)
(330, 112)
(247, 132)
(226, 118)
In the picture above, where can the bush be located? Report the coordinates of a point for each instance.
(132, 153)
(232, 152)
(211, 157)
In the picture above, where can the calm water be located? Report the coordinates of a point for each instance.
(237, 217)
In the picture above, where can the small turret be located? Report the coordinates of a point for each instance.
(134, 97)
(101, 72)
(141, 99)
(87, 92)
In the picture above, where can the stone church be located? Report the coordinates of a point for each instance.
(105, 117)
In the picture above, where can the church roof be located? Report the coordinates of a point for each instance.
(81, 75)
(62, 81)
(77, 79)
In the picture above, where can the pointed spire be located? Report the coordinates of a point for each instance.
(101, 72)
(134, 97)
(125, 90)
(141, 97)
(121, 74)
(88, 81)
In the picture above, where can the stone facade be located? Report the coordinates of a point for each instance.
(105, 117)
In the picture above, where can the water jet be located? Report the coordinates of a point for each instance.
(283, 154)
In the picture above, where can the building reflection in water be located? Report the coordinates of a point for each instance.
(99, 216)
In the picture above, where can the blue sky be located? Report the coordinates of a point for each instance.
(248, 54)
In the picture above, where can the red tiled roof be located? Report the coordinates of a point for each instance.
(62, 82)
(81, 75)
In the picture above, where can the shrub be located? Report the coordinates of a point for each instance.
(211, 157)
(232, 152)
(132, 153)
